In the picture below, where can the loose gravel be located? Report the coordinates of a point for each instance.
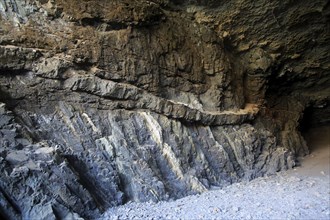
(302, 193)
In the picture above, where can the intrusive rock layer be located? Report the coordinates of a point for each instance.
(105, 102)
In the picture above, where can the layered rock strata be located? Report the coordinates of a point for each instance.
(106, 102)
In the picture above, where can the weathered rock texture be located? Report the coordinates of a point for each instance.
(105, 102)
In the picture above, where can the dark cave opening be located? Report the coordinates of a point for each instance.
(315, 127)
(306, 121)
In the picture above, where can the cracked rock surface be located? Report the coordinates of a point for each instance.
(108, 102)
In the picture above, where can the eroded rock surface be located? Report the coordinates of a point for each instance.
(105, 102)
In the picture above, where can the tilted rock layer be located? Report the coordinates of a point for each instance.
(105, 102)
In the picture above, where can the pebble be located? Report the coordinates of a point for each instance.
(292, 198)
(236, 209)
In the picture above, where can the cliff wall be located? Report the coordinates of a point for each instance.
(105, 102)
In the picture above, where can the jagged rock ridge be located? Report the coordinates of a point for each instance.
(105, 102)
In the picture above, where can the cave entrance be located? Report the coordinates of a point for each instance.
(306, 122)
(314, 127)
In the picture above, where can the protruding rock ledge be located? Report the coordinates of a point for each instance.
(143, 100)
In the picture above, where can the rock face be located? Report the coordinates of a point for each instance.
(105, 102)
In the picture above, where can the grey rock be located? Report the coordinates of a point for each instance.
(119, 101)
